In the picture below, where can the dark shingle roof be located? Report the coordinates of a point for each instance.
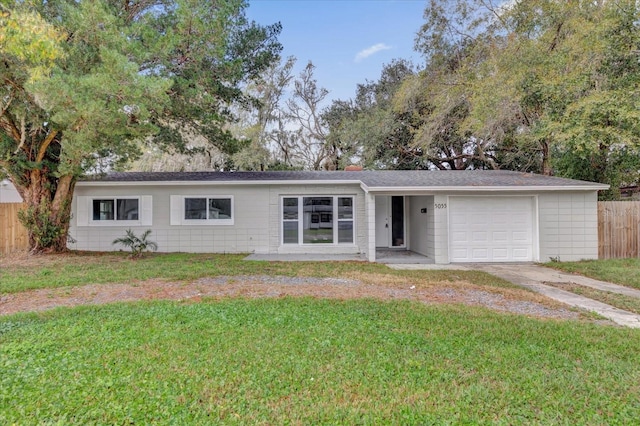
(370, 178)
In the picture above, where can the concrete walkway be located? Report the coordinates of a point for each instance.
(534, 278)
(527, 275)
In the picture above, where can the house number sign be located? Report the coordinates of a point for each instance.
(441, 205)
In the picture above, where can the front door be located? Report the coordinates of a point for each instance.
(390, 230)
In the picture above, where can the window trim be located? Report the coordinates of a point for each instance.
(335, 222)
(178, 209)
(115, 222)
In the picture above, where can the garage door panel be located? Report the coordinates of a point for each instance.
(520, 219)
(523, 254)
(458, 219)
(479, 220)
(479, 236)
(491, 229)
(500, 236)
(480, 254)
(459, 253)
(500, 255)
(459, 237)
(500, 203)
(499, 218)
(521, 236)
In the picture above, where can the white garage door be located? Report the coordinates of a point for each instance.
(491, 229)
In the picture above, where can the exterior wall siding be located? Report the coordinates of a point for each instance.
(256, 225)
(568, 226)
(9, 193)
(370, 226)
(441, 228)
(421, 227)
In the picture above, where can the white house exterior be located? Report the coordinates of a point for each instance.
(447, 216)
(8, 192)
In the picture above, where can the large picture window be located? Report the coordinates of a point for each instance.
(119, 209)
(317, 220)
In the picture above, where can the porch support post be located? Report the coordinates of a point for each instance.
(371, 226)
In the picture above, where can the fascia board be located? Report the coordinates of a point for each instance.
(87, 183)
(450, 189)
(365, 188)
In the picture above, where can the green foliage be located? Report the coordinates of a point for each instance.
(44, 229)
(312, 361)
(369, 130)
(539, 85)
(27, 38)
(137, 245)
(85, 81)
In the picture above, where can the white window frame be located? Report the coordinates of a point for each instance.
(178, 206)
(300, 220)
(85, 211)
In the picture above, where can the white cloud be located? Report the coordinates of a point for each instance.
(371, 51)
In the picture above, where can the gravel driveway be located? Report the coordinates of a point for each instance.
(254, 286)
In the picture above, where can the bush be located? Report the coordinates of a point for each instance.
(138, 245)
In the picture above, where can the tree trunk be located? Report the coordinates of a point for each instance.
(48, 210)
(546, 159)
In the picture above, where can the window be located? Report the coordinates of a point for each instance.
(119, 209)
(201, 210)
(114, 210)
(317, 226)
(317, 220)
(345, 220)
(290, 220)
(207, 208)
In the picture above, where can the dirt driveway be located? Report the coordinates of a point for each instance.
(503, 300)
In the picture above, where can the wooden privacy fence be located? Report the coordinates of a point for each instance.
(618, 229)
(13, 236)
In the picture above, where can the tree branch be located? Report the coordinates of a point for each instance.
(6, 107)
(10, 128)
(45, 144)
(23, 136)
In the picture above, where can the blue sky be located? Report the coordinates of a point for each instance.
(347, 40)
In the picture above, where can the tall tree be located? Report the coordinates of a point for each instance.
(266, 125)
(83, 81)
(541, 78)
(436, 103)
(369, 129)
(307, 145)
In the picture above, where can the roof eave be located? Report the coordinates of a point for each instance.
(449, 189)
(83, 183)
(371, 189)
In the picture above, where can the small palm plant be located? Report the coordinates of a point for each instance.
(138, 245)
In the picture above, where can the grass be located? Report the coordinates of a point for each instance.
(81, 268)
(620, 271)
(308, 361)
(628, 303)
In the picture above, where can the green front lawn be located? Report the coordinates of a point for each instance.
(308, 361)
(620, 271)
(81, 268)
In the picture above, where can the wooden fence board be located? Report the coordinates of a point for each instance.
(13, 236)
(618, 229)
